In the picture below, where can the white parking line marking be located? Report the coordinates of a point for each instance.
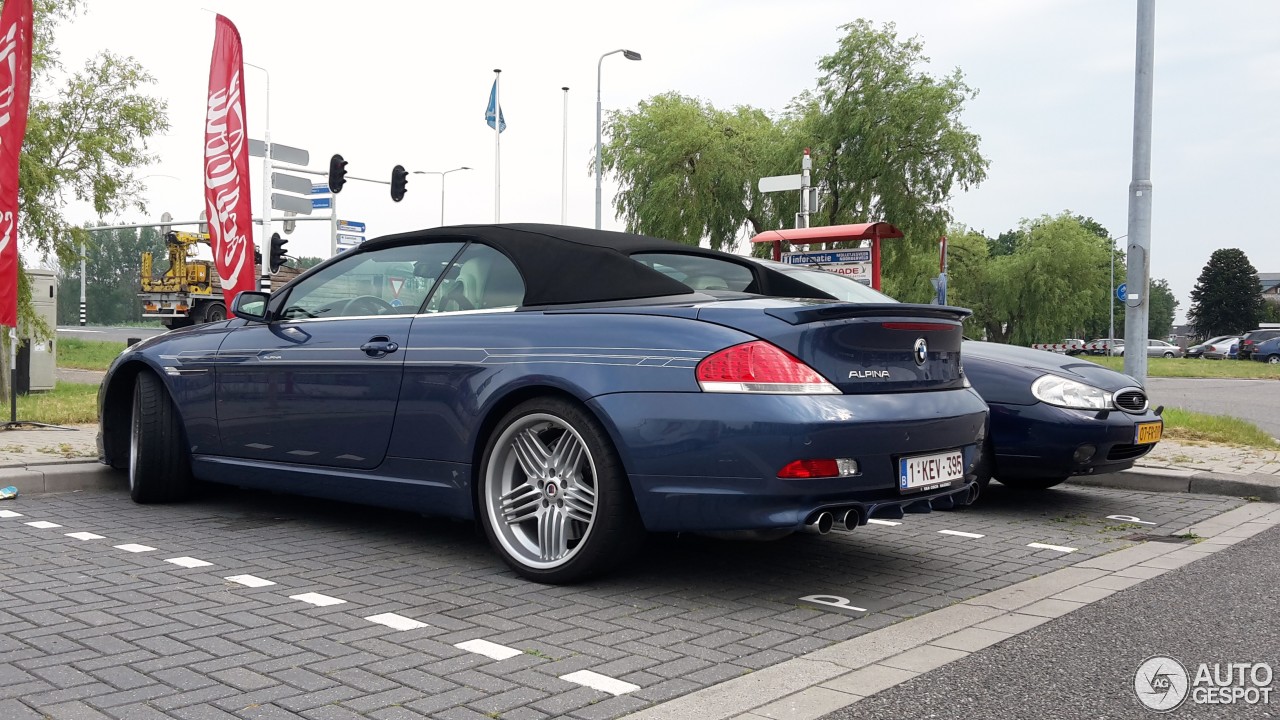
(85, 536)
(1129, 518)
(488, 649)
(1059, 548)
(317, 599)
(877, 521)
(249, 580)
(600, 682)
(43, 524)
(957, 533)
(9, 514)
(134, 547)
(188, 562)
(396, 622)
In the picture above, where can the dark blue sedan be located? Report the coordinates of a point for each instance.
(537, 379)
(1052, 416)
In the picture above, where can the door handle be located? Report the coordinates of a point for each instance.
(379, 346)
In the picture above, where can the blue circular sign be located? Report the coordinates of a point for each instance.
(1122, 291)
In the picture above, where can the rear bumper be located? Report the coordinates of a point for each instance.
(709, 461)
(1040, 441)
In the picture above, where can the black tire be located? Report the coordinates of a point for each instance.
(546, 494)
(159, 462)
(215, 312)
(1168, 354)
(1036, 484)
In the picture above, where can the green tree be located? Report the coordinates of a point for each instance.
(305, 262)
(885, 136)
(1227, 297)
(968, 276)
(87, 132)
(1055, 276)
(1161, 310)
(113, 263)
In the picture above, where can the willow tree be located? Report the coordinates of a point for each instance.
(885, 135)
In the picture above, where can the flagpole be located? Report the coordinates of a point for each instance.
(564, 169)
(497, 146)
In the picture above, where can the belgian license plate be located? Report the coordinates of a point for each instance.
(1147, 433)
(926, 472)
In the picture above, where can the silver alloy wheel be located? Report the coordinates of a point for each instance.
(540, 491)
(135, 421)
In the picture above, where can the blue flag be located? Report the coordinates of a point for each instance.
(493, 109)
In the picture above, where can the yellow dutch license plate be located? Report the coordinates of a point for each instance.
(1147, 433)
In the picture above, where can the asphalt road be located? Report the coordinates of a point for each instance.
(1252, 400)
(1083, 665)
(111, 334)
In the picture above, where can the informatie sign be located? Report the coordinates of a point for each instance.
(854, 263)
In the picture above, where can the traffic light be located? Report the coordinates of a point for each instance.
(337, 173)
(399, 178)
(277, 252)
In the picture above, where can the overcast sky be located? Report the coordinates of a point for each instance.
(407, 82)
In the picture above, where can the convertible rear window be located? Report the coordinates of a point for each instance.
(699, 272)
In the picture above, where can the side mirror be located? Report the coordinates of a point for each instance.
(251, 305)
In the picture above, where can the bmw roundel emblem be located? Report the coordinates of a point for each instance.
(921, 351)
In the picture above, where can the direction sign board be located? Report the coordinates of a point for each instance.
(320, 189)
(291, 183)
(1122, 291)
(282, 153)
(854, 263)
(320, 203)
(345, 239)
(300, 205)
(351, 226)
(778, 183)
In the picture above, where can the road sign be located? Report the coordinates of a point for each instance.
(320, 189)
(351, 226)
(1122, 292)
(321, 203)
(344, 239)
(280, 153)
(851, 263)
(778, 183)
(300, 205)
(291, 183)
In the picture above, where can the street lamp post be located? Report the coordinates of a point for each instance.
(442, 174)
(630, 55)
(1111, 334)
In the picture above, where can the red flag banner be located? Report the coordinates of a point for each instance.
(15, 91)
(226, 165)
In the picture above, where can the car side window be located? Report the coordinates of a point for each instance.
(388, 281)
(481, 279)
(699, 272)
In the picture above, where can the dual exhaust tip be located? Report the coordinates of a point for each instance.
(849, 518)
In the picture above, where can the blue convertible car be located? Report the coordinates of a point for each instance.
(1052, 416)
(537, 379)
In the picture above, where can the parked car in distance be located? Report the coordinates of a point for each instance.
(1070, 342)
(1197, 350)
(1221, 348)
(1155, 349)
(1110, 343)
(1052, 417)
(537, 380)
(1253, 338)
(1267, 351)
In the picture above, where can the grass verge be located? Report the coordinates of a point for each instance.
(87, 354)
(66, 404)
(1183, 367)
(1193, 427)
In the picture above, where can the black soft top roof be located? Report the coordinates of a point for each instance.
(563, 264)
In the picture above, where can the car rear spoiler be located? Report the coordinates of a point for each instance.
(838, 311)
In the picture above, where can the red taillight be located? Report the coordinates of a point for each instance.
(819, 468)
(917, 326)
(758, 367)
(1248, 342)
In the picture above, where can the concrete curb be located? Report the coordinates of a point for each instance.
(1256, 486)
(64, 477)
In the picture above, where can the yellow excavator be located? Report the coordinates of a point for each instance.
(190, 291)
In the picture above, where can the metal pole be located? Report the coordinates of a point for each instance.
(497, 148)
(264, 243)
(599, 189)
(83, 305)
(806, 164)
(442, 176)
(564, 166)
(1138, 268)
(333, 224)
(1111, 318)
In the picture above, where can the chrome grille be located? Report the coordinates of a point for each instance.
(1131, 400)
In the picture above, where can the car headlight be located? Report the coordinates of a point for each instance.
(1062, 392)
